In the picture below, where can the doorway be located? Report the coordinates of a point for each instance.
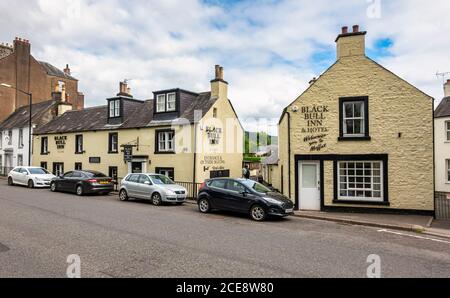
(309, 185)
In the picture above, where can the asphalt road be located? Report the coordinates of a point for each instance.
(40, 229)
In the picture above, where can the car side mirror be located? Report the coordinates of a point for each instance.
(245, 193)
(147, 183)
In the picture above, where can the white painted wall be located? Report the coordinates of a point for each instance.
(9, 153)
(442, 152)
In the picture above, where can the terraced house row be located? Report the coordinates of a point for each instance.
(359, 138)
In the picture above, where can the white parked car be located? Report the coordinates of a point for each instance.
(30, 176)
(154, 187)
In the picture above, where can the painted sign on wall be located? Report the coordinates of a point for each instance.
(60, 142)
(315, 129)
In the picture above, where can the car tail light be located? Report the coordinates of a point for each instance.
(92, 181)
(202, 186)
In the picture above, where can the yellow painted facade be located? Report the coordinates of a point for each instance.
(189, 156)
(400, 126)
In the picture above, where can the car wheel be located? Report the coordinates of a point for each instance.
(53, 186)
(80, 191)
(10, 181)
(123, 196)
(156, 199)
(204, 206)
(30, 184)
(258, 213)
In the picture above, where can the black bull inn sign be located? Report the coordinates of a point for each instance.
(315, 129)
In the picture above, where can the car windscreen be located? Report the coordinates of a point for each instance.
(258, 187)
(160, 179)
(38, 171)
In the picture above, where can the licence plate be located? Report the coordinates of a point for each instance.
(289, 210)
(104, 182)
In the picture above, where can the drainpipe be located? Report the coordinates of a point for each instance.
(194, 174)
(289, 154)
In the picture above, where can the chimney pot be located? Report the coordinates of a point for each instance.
(355, 28)
(344, 30)
(217, 72)
(221, 73)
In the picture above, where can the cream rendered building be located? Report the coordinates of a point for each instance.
(442, 142)
(359, 138)
(185, 135)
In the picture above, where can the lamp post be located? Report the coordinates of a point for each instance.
(30, 96)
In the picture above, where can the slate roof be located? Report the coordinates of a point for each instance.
(54, 71)
(137, 114)
(20, 118)
(443, 110)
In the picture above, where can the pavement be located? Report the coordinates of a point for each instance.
(40, 229)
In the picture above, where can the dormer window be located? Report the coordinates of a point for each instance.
(166, 102)
(114, 108)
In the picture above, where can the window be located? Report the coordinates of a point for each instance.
(219, 174)
(236, 186)
(1, 165)
(10, 136)
(113, 146)
(448, 170)
(354, 118)
(44, 145)
(171, 102)
(447, 130)
(113, 173)
(168, 172)
(1, 139)
(78, 166)
(165, 141)
(160, 103)
(360, 181)
(79, 144)
(143, 179)
(114, 108)
(44, 165)
(218, 184)
(58, 169)
(133, 178)
(19, 160)
(20, 138)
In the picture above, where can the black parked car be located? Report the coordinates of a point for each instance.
(244, 196)
(83, 182)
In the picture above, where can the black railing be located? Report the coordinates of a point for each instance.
(192, 188)
(442, 205)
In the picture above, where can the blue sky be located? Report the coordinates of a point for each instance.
(270, 49)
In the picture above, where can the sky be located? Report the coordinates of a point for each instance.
(270, 49)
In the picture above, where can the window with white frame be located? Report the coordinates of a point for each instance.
(360, 181)
(20, 138)
(353, 119)
(1, 139)
(447, 130)
(114, 108)
(448, 170)
(10, 137)
(160, 103)
(166, 141)
(79, 144)
(19, 160)
(171, 102)
(44, 145)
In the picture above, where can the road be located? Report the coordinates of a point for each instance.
(40, 229)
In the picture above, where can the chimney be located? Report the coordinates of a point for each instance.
(67, 70)
(219, 87)
(22, 50)
(447, 89)
(124, 89)
(351, 44)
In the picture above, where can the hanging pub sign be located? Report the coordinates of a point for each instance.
(128, 153)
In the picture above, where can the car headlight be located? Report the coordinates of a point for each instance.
(170, 192)
(273, 201)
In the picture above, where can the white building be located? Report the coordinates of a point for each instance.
(442, 142)
(14, 132)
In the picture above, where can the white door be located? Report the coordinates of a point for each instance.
(309, 185)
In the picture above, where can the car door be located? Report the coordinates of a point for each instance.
(219, 193)
(145, 187)
(63, 182)
(72, 182)
(22, 177)
(239, 197)
(131, 185)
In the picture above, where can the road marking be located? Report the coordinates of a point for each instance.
(414, 236)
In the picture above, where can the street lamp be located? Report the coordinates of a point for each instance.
(30, 96)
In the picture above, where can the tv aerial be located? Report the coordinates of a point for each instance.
(443, 75)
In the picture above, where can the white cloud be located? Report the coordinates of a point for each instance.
(265, 46)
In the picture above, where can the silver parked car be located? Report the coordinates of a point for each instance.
(155, 187)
